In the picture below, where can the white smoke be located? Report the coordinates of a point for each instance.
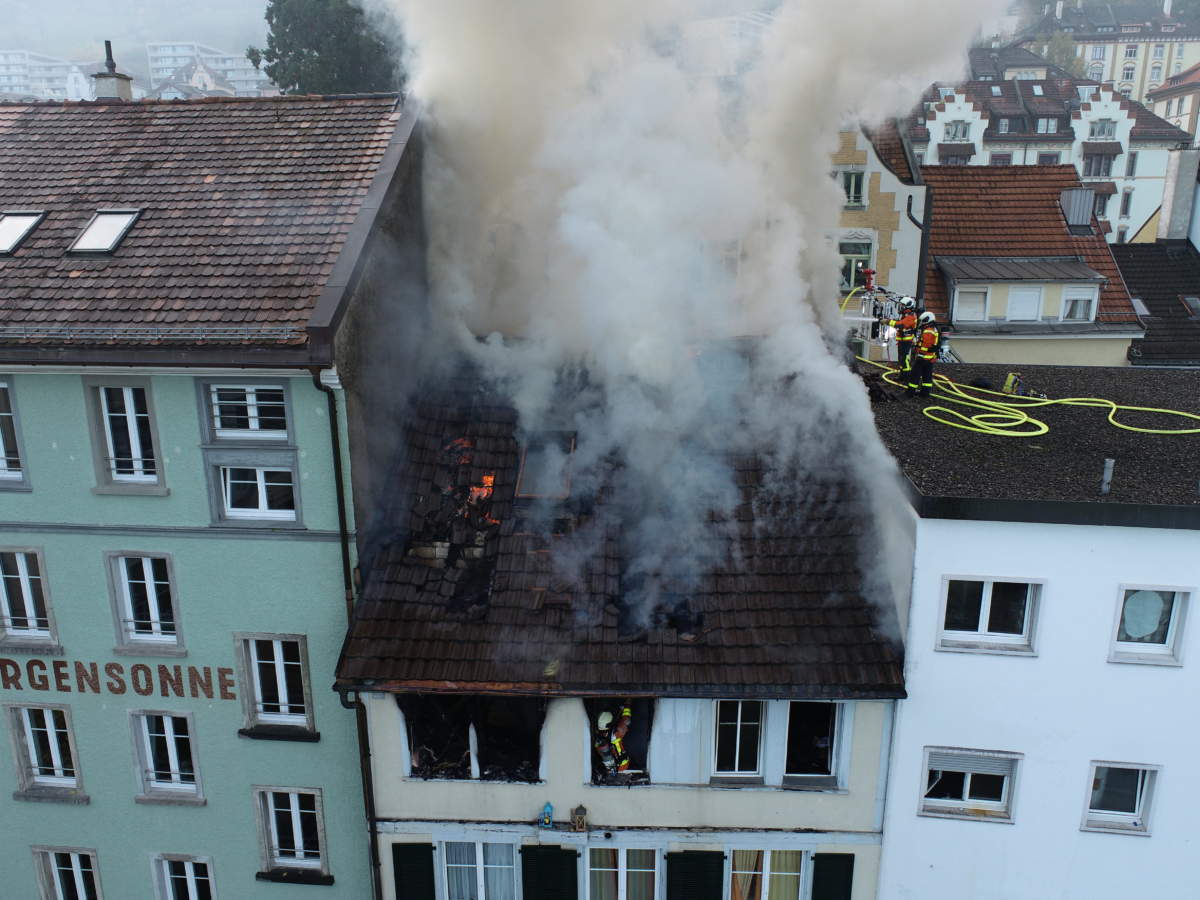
(622, 186)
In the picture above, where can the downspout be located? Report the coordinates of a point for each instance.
(923, 257)
(360, 711)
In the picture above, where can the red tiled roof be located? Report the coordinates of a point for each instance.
(890, 149)
(778, 611)
(246, 205)
(1012, 211)
(1185, 80)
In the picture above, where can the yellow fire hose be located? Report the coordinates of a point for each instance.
(1007, 417)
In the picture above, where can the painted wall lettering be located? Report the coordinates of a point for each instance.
(66, 676)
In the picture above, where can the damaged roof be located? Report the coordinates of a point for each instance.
(1014, 211)
(470, 598)
(245, 207)
(1162, 274)
(1066, 464)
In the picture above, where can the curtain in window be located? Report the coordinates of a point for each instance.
(746, 878)
(639, 866)
(785, 875)
(461, 883)
(498, 880)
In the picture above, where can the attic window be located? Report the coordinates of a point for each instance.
(106, 230)
(544, 469)
(1193, 306)
(15, 226)
(1037, 91)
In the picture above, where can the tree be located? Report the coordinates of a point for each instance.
(326, 47)
(1061, 50)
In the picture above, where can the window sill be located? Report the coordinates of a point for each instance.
(170, 798)
(132, 490)
(280, 733)
(1107, 828)
(826, 783)
(49, 647)
(986, 648)
(294, 876)
(16, 485)
(281, 524)
(736, 781)
(1145, 659)
(858, 206)
(999, 817)
(150, 650)
(73, 796)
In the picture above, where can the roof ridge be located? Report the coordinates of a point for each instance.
(159, 101)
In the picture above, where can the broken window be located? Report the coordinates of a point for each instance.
(488, 738)
(811, 741)
(544, 470)
(620, 735)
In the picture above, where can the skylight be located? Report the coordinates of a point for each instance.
(15, 227)
(996, 90)
(1193, 306)
(105, 231)
(1037, 90)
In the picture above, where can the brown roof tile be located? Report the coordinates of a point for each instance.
(1012, 211)
(246, 204)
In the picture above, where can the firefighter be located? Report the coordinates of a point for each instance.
(924, 352)
(610, 739)
(906, 329)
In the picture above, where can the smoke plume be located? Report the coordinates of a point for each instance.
(639, 190)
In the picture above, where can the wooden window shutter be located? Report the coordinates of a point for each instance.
(412, 869)
(549, 873)
(695, 875)
(833, 876)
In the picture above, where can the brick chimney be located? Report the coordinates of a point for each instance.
(111, 84)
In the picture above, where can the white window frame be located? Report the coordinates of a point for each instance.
(1110, 822)
(1128, 72)
(138, 459)
(1159, 50)
(21, 720)
(983, 641)
(162, 875)
(837, 750)
(253, 433)
(957, 131)
(1079, 292)
(991, 762)
(255, 716)
(972, 289)
(1098, 52)
(1131, 50)
(1047, 125)
(622, 870)
(1102, 128)
(734, 775)
(1002, 126)
(847, 177)
(173, 788)
(157, 638)
(1008, 316)
(1169, 653)
(264, 797)
(12, 469)
(805, 873)
(224, 477)
(50, 879)
(479, 866)
(36, 636)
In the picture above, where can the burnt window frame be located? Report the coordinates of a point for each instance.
(839, 741)
(568, 443)
(473, 758)
(643, 711)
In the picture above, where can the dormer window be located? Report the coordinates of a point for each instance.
(15, 226)
(1103, 128)
(105, 231)
(958, 131)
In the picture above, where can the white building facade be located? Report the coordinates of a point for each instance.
(25, 73)
(166, 58)
(1047, 746)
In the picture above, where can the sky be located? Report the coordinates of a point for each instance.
(77, 29)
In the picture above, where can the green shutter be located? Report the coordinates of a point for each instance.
(549, 873)
(695, 875)
(412, 867)
(833, 876)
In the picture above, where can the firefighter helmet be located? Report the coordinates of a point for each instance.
(907, 303)
(926, 318)
(604, 721)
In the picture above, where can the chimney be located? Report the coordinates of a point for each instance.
(1058, 10)
(1179, 195)
(111, 84)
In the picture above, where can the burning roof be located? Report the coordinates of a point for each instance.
(485, 591)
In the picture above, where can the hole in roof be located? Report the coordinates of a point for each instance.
(544, 469)
(105, 231)
(15, 227)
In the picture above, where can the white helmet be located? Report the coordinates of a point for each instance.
(925, 318)
(907, 303)
(604, 721)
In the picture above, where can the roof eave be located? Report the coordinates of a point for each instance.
(702, 691)
(351, 262)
